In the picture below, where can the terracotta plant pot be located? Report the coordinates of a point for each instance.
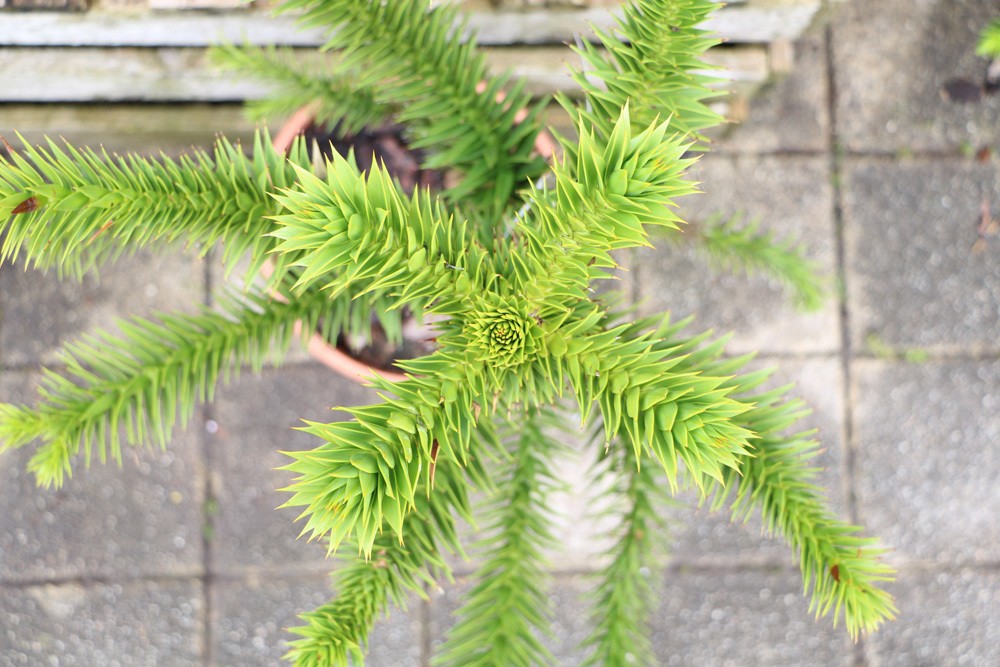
(336, 357)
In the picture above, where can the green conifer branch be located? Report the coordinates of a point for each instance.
(648, 393)
(364, 477)
(72, 209)
(335, 634)
(624, 598)
(414, 56)
(368, 469)
(136, 386)
(735, 246)
(654, 62)
(86, 208)
(506, 613)
(605, 195)
(336, 95)
(842, 571)
(358, 234)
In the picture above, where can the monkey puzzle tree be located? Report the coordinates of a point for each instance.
(506, 265)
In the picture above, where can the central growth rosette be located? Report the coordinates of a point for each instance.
(502, 331)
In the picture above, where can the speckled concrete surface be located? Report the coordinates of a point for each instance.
(180, 559)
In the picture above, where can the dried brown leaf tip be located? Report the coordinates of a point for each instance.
(6, 145)
(100, 231)
(27, 206)
(433, 466)
(986, 227)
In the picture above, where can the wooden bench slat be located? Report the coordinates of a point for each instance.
(743, 24)
(66, 74)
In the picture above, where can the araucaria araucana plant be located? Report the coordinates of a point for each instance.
(505, 262)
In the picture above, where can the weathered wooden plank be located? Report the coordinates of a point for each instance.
(534, 4)
(545, 68)
(228, 5)
(140, 128)
(45, 5)
(740, 24)
(149, 128)
(180, 29)
(115, 74)
(744, 24)
(170, 74)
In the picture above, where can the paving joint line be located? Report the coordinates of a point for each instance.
(835, 157)
(302, 572)
(846, 350)
(678, 565)
(778, 355)
(668, 565)
(208, 496)
(99, 580)
(425, 628)
(846, 153)
(930, 356)
(924, 566)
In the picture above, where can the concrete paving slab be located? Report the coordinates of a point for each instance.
(927, 458)
(251, 617)
(142, 520)
(113, 624)
(40, 313)
(946, 617)
(789, 113)
(791, 196)
(892, 59)
(913, 279)
(254, 418)
(713, 618)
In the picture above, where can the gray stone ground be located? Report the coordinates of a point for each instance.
(181, 560)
